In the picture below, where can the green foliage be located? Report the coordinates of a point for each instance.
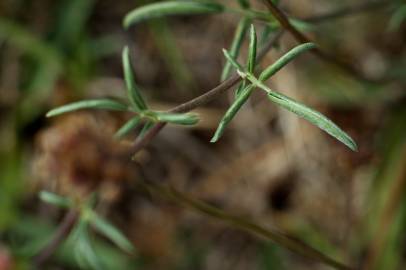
(133, 90)
(102, 104)
(397, 18)
(175, 118)
(235, 45)
(284, 60)
(143, 115)
(169, 8)
(80, 239)
(252, 51)
(55, 199)
(231, 112)
(108, 230)
(137, 106)
(299, 109)
(310, 115)
(83, 249)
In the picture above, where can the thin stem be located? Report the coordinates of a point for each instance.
(284, 21)
(244, 224)
(60, 235)
(203, 99)
(348, 11)
(252, 14)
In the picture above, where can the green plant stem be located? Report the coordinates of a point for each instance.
(244, 224)
(60, 235)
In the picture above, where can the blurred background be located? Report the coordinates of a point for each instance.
(270, 166)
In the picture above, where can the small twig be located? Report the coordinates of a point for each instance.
(203, 99)
(272, 234)
(348, 11)
(60, 235)
(284, 22)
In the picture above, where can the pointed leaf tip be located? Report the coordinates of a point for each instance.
(102, 104)
(285, 59)
(133, 91)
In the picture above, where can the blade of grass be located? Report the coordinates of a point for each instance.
(133, 90)
(170, 8)
(104, 104)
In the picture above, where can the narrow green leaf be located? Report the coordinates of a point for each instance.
(111, 232)
(252, 52)
(231, 112)
(133, 91)
(55, 199)
(284, 60)
(308, 114)
(235, 46)
(127, 127)
(84, 252)
(177, 118)
(103, 104)
(147, 126)
(169, 8)
(232, 61)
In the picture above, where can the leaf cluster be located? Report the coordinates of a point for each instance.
(136, 105)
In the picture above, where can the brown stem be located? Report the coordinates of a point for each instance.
(203, 99)
(348, 11)
(60, 235)
(284, 22)
(274, 235)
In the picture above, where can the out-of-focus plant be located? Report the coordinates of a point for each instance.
(66, 51)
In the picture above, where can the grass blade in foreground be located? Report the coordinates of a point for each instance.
(161, 9)
(133, 90)
(127, 127)
(104, 104)
(231, 112)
